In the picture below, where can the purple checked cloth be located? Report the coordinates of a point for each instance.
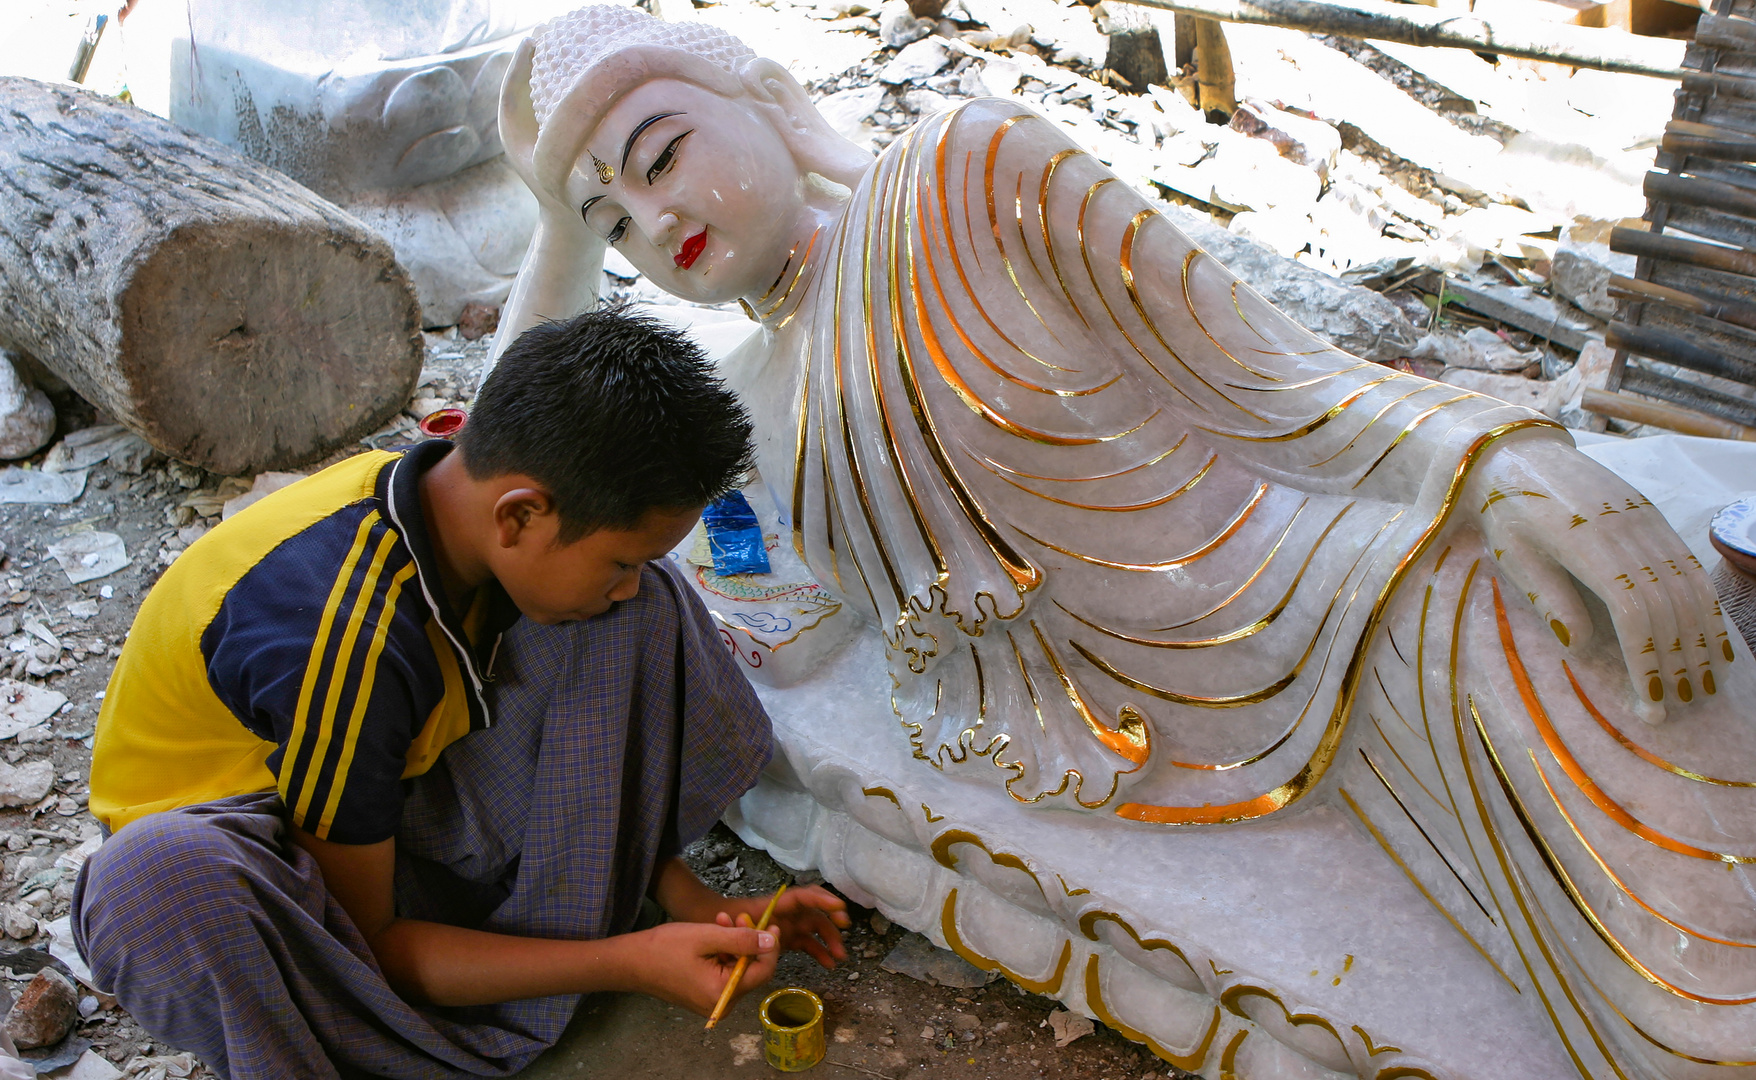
(616, 741)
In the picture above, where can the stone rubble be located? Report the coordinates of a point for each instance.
(45, 1012)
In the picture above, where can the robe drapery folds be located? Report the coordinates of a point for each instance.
(1139, 544)
(1113, 512)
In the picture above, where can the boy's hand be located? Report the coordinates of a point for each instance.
(806, 919)
(687, 964)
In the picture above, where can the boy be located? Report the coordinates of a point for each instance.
(366, 820)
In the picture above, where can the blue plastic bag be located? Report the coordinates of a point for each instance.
(734, 536)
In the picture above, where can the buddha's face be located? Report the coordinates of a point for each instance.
(701, 193)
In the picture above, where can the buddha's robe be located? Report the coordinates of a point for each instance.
(1139, 544)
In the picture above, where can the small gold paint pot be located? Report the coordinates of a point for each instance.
(792, 1029)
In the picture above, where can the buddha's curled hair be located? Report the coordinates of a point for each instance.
(570, 45)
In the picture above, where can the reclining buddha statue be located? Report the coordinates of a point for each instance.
(1311, 656)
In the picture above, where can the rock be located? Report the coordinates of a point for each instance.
(45, 1012)
(848, 110)
(1591, 372)
(992, 78)
(1531, 393)
(1581, 272)
(926, 102)
(22, 785)
(264, 485)
(83, 609)
(1248, 174)
(20, 922)
(898, 26)
(1481, 350)
(1287, 232)
(27, 419)
(24, 706)
(880, 925)
(965, 1022)
(88, 556)
(36, 486)
(927, 1033)
(1351, 318)
(919, 959)
(92, 1067)
(1069, 1026)
(916, 61)
(477, 320)
(1311, 143)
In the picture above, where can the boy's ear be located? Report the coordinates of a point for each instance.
(518, 511)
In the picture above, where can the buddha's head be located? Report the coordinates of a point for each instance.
(673, 142)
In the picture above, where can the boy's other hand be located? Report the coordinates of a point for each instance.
(687, 964)
(808, 919)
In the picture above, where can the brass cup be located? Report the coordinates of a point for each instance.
(792, 1029)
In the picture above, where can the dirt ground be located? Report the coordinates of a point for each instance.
(881, 1024)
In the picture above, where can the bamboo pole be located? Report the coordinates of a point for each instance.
(1700, 191)
(1642, 244)
(1658, 414)
(1718, 308)
(1609, 50)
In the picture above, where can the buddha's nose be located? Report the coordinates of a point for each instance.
(664, 229)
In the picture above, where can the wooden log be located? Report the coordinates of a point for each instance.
(1701, 192)
(1659, 414)
(1743, 149)
(1724, 32)
(1736, 86)
(1724, 309)
(1642, 244)
(1609, 50)
(228, 315)
(1213, 72)
(1637, 379)
(1673, 349)
(1135, 52)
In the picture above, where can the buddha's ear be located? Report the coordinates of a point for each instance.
(815, 145)
(518, 114)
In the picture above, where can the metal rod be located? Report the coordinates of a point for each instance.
(1412, 24)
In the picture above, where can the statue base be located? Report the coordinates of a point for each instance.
(1290, 948)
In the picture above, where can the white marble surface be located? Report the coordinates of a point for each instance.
(1474, 719)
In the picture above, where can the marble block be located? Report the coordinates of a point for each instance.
(391, 111)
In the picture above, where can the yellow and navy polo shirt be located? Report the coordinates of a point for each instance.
(306, 645)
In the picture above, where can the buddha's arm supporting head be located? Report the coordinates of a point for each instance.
(675, 142)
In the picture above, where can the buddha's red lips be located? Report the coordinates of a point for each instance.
(692, 249)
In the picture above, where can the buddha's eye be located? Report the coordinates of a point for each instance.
(666, 157)
(619, 231)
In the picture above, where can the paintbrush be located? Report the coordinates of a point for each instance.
(725, 996)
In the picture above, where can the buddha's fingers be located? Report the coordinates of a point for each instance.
(1640, 609)
(1544, 582)
(1695, 610)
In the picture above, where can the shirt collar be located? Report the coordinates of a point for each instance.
(399, 489)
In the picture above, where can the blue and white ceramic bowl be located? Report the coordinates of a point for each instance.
(1733, 532)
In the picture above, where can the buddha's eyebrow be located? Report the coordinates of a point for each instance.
(628, 147)
(589, 203)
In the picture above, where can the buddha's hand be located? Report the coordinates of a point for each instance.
(1549, 511)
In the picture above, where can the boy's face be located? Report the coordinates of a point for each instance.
(555, 583)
